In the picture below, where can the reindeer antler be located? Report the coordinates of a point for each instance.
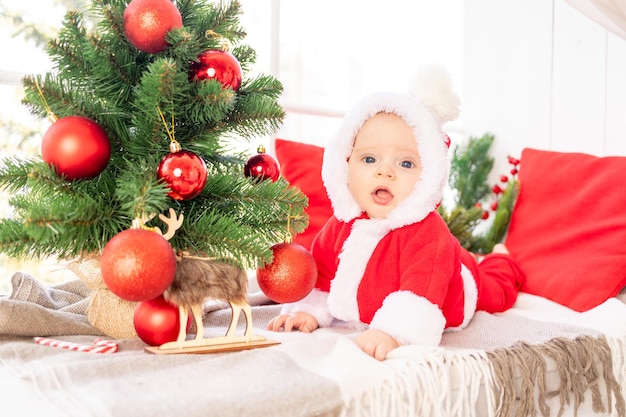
(139, 222)
(173, 223)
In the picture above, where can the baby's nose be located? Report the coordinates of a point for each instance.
(384, 170)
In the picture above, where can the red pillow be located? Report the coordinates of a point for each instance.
(568, 227)
(301, 166)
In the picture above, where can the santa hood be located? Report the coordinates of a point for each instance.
(430, 103)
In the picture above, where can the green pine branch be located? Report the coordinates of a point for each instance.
(471, 166)
(469, 172)
(143, 101)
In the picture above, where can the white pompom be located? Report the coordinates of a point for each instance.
(432, 85)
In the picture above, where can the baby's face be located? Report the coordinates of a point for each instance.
(384, 165)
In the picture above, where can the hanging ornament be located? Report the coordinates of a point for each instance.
(184, 172)
(290, 276)
(77, 147)
(138, 264)
(219, 65)
(147, 22)
(157, 321)
(262, 166)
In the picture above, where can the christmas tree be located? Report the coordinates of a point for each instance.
(154, 98)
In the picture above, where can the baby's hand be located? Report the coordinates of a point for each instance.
(376, 343)
(300, 320)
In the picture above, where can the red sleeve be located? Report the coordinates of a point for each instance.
(326, 248)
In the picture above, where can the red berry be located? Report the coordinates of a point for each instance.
(496, 189)
(513, 161)
(504, 178)
(494, 206)
(485, 215)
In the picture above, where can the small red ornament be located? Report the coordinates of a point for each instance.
(146, 22)
(514, 171)
(496, 189)
(219, 65)
(290, 276)
(184, 172)
(77, 147)
(157, 321)
(485, 215)
(262, 166)
(138, 264)
(494, 206)
(504, 178)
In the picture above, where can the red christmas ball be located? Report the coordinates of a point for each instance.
(77, 147)
(184, 172)
(138, 264)
(157, 321)
(219, 65)
(146, 22)
(290, 276)
(262, 166)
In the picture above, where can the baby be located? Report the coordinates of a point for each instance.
(387, 263)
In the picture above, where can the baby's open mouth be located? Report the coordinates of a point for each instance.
(382, 195)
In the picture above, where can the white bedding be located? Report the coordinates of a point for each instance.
(451, 380)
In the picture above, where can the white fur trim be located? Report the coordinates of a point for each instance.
(431, 145)
(470, 297)
(353, 259)
(411, 319)
(315, 303)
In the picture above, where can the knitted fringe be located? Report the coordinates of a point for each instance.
(618, 347)
(426, 382)
(583, 364)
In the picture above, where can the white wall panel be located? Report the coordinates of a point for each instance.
(541, 74)
(508, 64)
(579, 82)
(616, 96)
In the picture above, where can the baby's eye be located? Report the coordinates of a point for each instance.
(407, 164)
(369, 159)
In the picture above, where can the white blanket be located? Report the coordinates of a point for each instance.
(317, 374)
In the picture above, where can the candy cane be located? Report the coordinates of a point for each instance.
(99, 345)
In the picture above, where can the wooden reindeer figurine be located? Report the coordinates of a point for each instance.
(198, 279)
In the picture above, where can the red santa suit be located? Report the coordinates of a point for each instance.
(405, 274)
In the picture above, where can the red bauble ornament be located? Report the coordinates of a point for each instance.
(146, 22)
(184, 172)
(290, 276)
(157, 321)
(262, 166)
(138, 264)
(77, 147)
(219, 65)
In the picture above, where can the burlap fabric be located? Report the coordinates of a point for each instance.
(106, 312)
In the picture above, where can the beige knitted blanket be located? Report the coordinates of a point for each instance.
(500, 365)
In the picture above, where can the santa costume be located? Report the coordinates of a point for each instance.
(405, 274)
